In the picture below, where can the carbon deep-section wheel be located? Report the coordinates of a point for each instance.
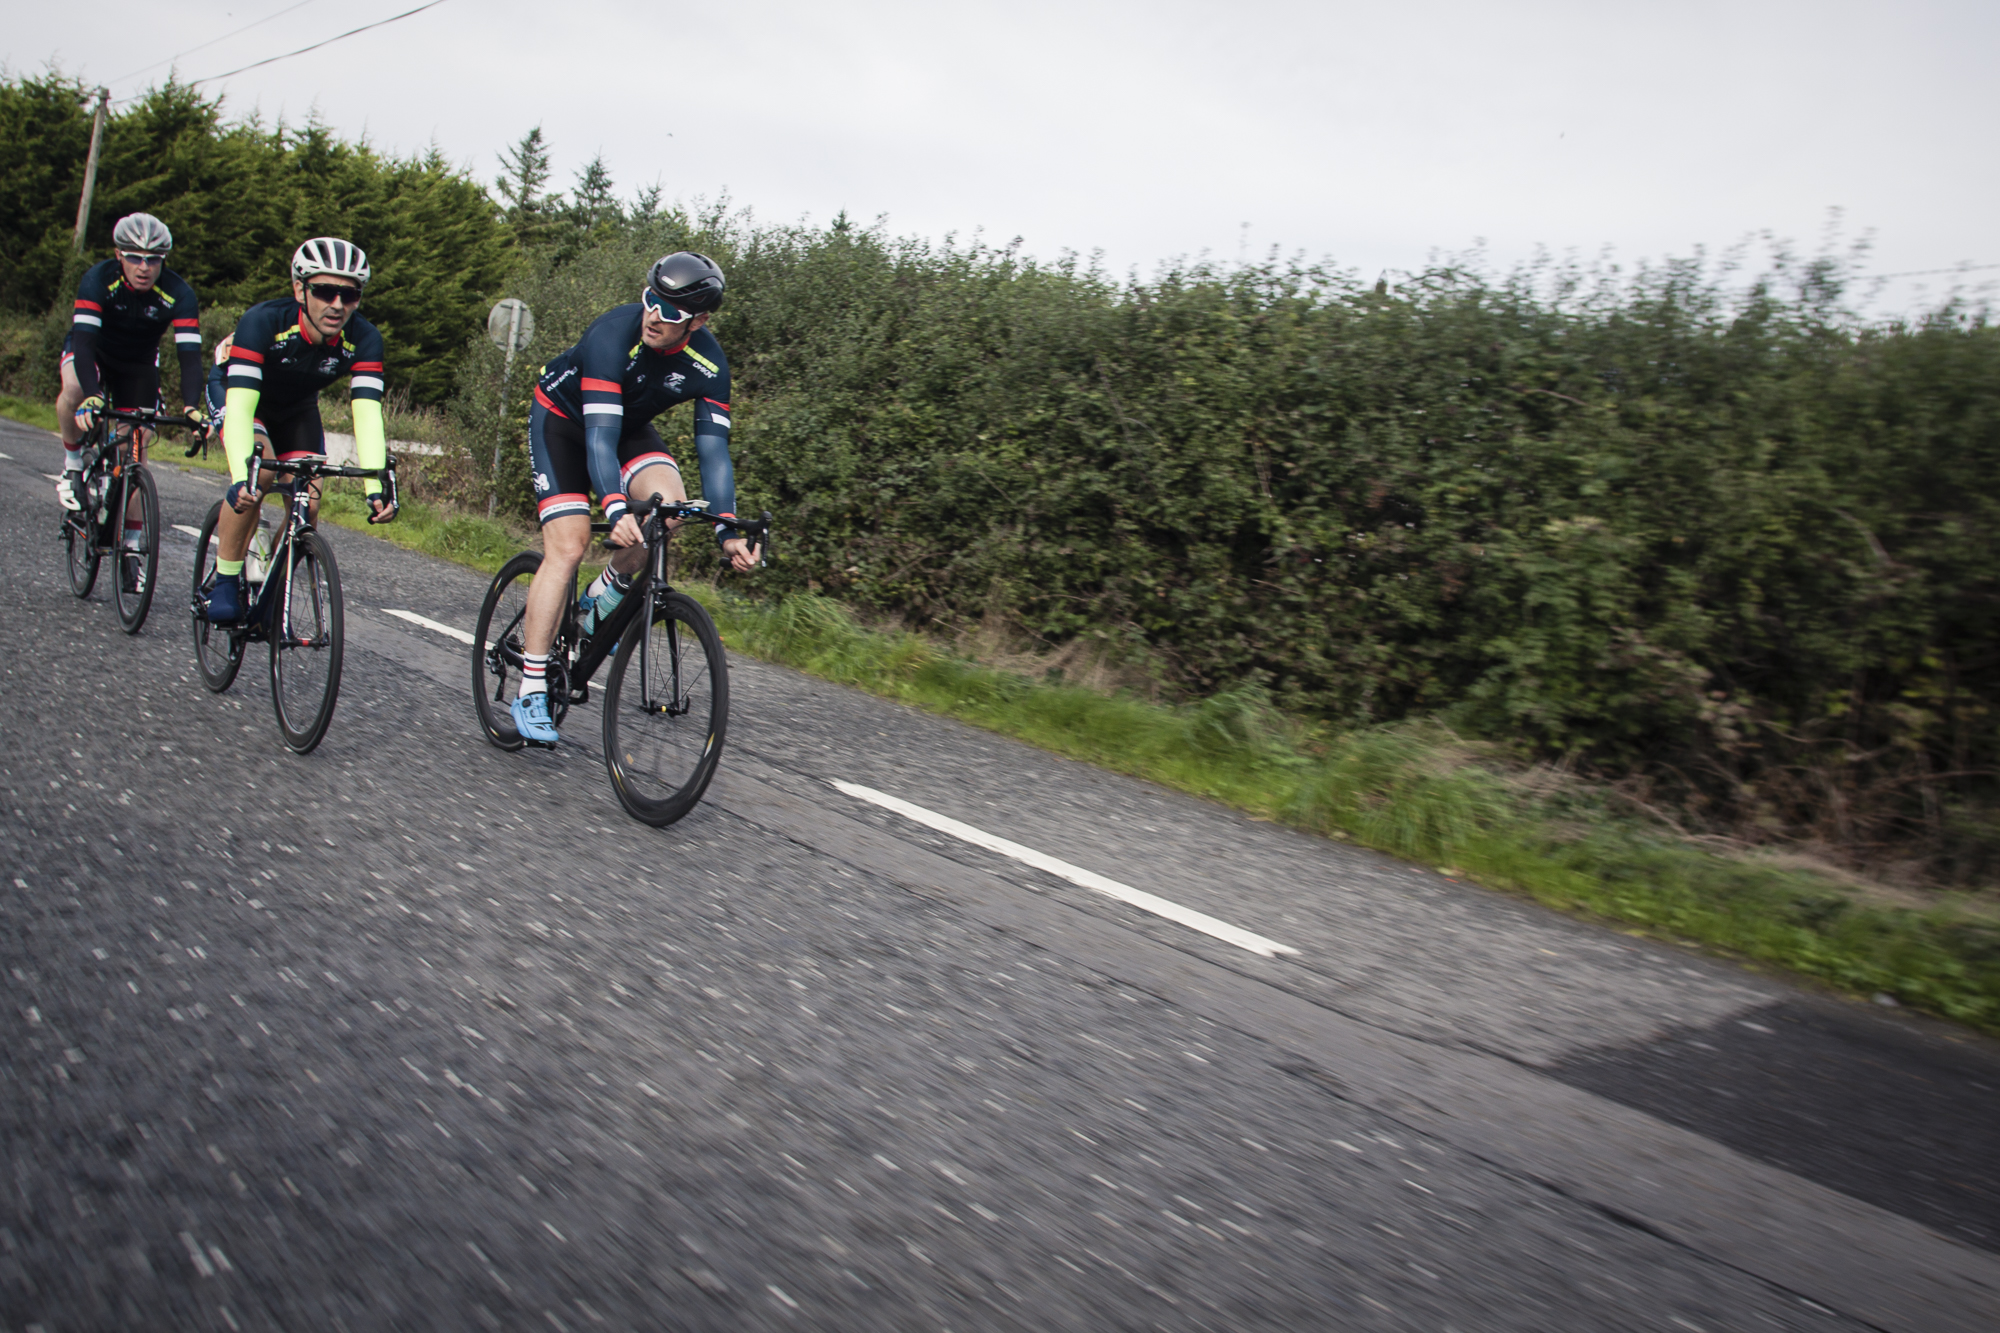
(496, 649)
(666, 710)
(139, 554)
(306, 643)
(217, 650)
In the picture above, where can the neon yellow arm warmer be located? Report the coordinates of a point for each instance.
(239, 430)
(371, 438)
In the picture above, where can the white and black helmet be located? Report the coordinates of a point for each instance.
(327, 254)
(142, 232)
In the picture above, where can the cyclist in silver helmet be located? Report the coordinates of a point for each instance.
(112, 353)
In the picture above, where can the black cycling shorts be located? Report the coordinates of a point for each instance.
(127, 386)
(296, 434)
(562, 469)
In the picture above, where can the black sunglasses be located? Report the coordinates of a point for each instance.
(334, 293)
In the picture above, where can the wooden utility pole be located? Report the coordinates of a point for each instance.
(90, 164)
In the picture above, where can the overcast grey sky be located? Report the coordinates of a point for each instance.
(1370, 134)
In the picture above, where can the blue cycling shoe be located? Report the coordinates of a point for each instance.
(225, 600)
(531, 718)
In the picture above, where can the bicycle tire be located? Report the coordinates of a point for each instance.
(661, 748)
(217, 652)
(81, 545)
(496, 647)
(134, 603)
(306, 641)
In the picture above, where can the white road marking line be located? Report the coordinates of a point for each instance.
(53, 476)
(1125, 893)
(8, 457)
(428, 623)
(192, 532)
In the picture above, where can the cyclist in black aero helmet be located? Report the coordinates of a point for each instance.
(590, 429)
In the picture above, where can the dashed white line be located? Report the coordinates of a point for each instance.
(1089, 879)
(192, 532)
(428, 623)
(8, 457)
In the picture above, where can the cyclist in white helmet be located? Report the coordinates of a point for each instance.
(282, 354)
(112, 353)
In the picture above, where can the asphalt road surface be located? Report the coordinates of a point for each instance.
(410, 1033)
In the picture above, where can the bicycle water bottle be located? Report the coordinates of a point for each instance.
(257, 560)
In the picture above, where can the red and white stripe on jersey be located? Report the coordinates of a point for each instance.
(366, 381)
(88, 312)
(246, 369)
(601, 398)
(549, 403)
(642, 462)
(714, 411)
(187, 331)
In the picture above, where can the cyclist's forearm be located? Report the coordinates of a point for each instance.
(371, 438)
(718, 475)
(239, 430)
(193, 381)
(83, 352)
(600, 448)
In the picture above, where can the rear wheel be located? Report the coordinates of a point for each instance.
(305, 634)
(497, 648)
(137, 564)
(666, 709)
(217, 652)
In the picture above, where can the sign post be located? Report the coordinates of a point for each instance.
(511, 327)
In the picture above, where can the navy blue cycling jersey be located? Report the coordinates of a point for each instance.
(276, 358)
(113, 323)
(613, 384)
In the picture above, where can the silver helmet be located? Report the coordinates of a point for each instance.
(142, 232)
(329, 255)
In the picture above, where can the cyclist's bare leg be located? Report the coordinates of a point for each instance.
(233, 530)
(659, 479)
(67, 401)
(554, 585)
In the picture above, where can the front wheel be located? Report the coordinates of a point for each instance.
(497, 646)
(217, 651)
(666, 709)
(137, 562)
(80, 540)
(305, 643)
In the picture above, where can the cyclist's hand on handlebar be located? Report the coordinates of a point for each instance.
(625, 532)
(242, 497)
(197, 416)
(743, 557)
(87, 410)
(380, 510)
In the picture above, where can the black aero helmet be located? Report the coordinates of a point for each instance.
(690, 282)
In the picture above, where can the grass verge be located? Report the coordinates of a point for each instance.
(33, 414)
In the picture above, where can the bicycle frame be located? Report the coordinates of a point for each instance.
(298, 520)
(110, 453)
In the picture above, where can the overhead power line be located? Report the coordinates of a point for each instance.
(1932, 272)
(211, 42)
(272, 60)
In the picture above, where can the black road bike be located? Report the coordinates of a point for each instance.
(666, 702)
(113, 483)
(292, 601)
